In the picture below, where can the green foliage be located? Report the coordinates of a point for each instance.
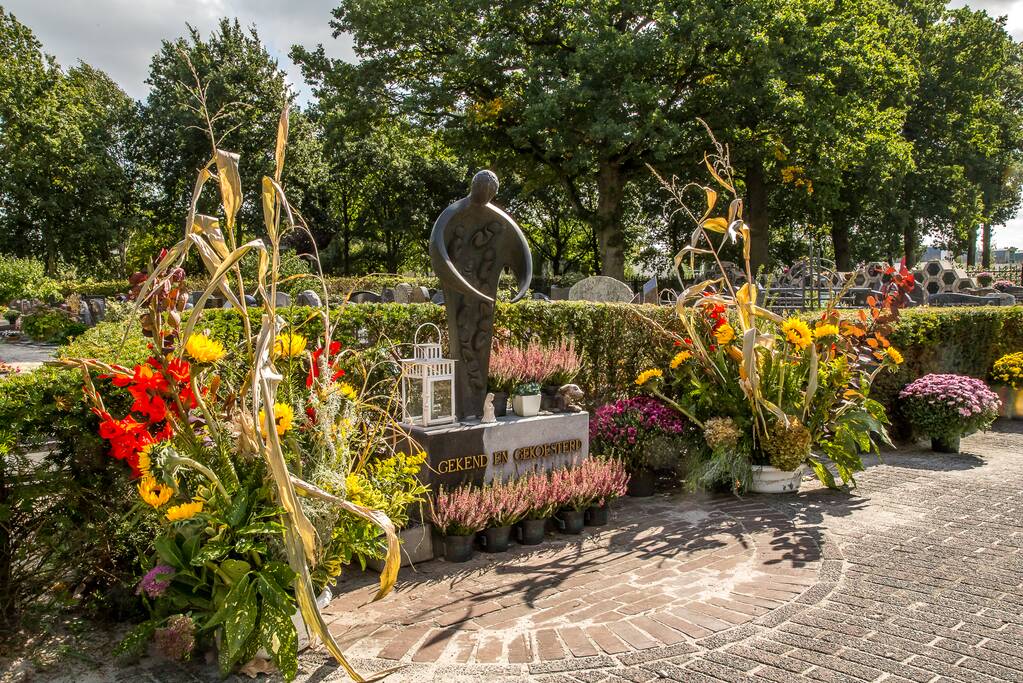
(25, 278)
(53, 325)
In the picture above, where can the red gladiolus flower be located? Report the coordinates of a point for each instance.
(179, 370)
(145, 377)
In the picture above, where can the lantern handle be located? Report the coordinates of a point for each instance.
(415, 338)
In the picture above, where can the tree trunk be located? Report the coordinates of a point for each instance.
(840, 243)
(611, 241)
(759, 219)
(986, 245)
(908, 243)
(971, 247)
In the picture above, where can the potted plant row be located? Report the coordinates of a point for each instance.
(572, 497)
(531, 374)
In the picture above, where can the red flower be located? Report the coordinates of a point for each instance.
(179, 370)
(145, 377)
(314, 369)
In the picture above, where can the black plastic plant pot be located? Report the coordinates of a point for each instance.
(531, 531)
(458, 548)
(597, 515)
(641, 484)
(570, 521)
(945, 444)
(496, 539)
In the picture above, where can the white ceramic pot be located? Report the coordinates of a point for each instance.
(1012, 402)
(526, 406)
(768, 479)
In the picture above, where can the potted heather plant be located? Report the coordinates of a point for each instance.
(559, 364)
(459, 515)
(1007, 374)
(606, 481)
(948, 407)
(526, 399)
(507, 504)
(574, 495)
(541, 504)
(984, 279)
(506, 368)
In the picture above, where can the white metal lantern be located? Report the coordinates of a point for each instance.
(427, 384)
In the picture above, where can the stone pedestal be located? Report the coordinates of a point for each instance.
(470, 452)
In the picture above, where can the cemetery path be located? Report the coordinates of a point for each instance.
(915, 576)
(26, 356)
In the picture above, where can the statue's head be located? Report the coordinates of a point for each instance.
(484, 187)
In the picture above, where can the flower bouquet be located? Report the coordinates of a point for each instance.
(245, 454)
(1007, 375)
(948, 407)
(768, 392)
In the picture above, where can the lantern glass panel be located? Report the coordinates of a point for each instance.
(440, 407)
(414, 399)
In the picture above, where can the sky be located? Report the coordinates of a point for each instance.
(121, 36)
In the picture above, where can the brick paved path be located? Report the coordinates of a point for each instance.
(916, 576)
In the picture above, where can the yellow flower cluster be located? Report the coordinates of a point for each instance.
(1009, 370)
(797, 333)
(825, 330)
(202, 349)
(284, 415)
(680, 358)
(648, 375)
(724, 334)
(894, 355)
(289, 345)
(348, 391)
(179, 513)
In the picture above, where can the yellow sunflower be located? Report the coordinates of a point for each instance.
(202, 349)
(724, 334)
(680, 358)
(284, 415)
(145, 462)
(153, 492)
(894, 355)
(826, 330)
(797, 333)
(648, 375)
(179, 513)
(289, 345)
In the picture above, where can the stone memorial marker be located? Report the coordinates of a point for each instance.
(308, 297)
(282, 300)
(600, 288)
(650, 292)
(403, 293)
(420, 295)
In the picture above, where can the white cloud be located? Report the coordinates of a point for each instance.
(121, 36)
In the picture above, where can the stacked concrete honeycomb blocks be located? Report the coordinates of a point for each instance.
(941, 276)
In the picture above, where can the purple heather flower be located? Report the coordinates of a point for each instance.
(156, 581)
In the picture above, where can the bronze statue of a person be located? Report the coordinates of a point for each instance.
(471, 244)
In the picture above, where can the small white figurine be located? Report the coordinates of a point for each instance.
(488, 410)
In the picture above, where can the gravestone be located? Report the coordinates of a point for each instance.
(387, 296)
(360, 297)
(282, 300)
(560, 293)
(650, 291)
(308, 297)
(471, 243)
(600, 288)
(420, 295)
(403, 293)
(438, 298)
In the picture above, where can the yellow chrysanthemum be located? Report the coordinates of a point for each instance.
(894, 355)
(202, 349)
(648, 375)
(348, 391)
(797, 333)
(284, 415)
(680, 358)
(179, 513)
(153, 492)
(289, 345)
(827, 330)
(724, 334)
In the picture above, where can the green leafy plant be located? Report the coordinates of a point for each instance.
(51, 325)
(24, 278)
(526, 389)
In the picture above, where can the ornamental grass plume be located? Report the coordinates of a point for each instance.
(460, 512)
